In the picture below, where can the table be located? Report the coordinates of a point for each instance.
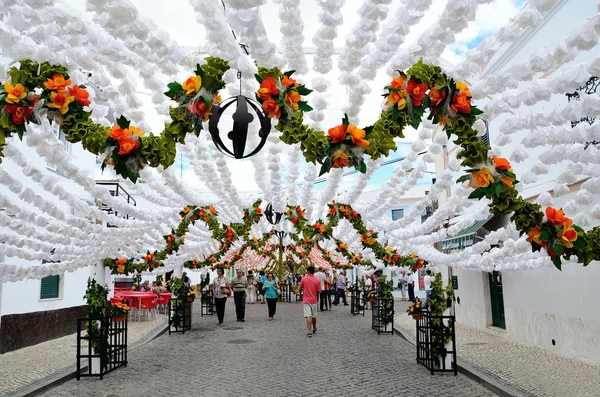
(135, 297)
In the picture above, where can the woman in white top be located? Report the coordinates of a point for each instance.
(221, 288)
(251, 289)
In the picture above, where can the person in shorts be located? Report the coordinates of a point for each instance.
(311, 287)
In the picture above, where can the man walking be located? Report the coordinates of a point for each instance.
(322, 295)
(239, 285)
(428, 279)
(411, 286)
(340, 289)
(311, 287)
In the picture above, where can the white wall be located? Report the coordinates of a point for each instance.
(24, 296)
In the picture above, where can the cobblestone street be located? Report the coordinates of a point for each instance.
(527, 369)
(274, 358)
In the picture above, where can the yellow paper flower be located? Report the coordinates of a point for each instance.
(15, 93)
(60, 100)
(136, 131)
(482, 178)
(192, 85)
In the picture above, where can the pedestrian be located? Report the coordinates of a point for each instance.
(238, 285)
(410, 281)
(328, 290)
(427, 280)
(186, 281)
(368, 288)
(221, 290)
(311, 286)
(251, 288)
(259, 285)
(340, 289)
(402, 285)
(271, 290)
(322, 278)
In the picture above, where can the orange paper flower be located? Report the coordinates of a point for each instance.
(437, 96)
(120, 269)
(267, 88)
(338, 133)
(117, 133)
(288, 81)
(128, 145)
(15, 93)
(557, 217)
(292, 98)
(501, 163)
(357, 136)
(399, 82)
(416, 91)
(507, 180)
(148, 257)
(80, 95)
(332, 211)
(121, 261)
(212, 209)
(57, 82)
(170, 238)
(272, 108)
(340, 159)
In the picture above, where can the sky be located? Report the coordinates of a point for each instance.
(178, 18)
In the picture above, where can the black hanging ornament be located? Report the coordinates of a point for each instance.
(241, 120)
(272, 217)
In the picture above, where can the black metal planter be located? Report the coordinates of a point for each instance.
(436, 342)
(357, 301)
(207, 303)
(180, 315)
(101, 346)
(383, 314)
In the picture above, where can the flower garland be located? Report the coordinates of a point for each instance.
(423, 87)
(130, 149)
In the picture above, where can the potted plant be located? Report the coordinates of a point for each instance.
(372, 296)
(120, 311)
(387, 309)
(97, 307)
(416, 310)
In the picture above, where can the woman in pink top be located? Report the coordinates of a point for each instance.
(311, 287)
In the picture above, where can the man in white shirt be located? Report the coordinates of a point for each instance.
(340, 289)
(428, 279)
(410, 281)
(323, 294)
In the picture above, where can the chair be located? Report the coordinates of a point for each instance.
(163, 301)
(149, 304)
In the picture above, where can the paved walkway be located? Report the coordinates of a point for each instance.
(26, 369)
(527, 369)
(274, 358)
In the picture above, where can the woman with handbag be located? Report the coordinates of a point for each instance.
(271, 290)
(221, 290)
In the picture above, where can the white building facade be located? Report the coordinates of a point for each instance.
(552, 309)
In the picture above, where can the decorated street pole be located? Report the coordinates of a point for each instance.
(280, 235)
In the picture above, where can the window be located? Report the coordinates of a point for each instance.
(397, 214)
(50, 287)
(61, 137)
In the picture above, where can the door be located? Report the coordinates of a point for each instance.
(497, 299)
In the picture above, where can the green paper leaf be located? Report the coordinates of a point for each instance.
(302, 90)
(477, 194)
(345, 119)
(258, 78)
(559, 249)
(304, 106)
(475, 111)
(463, 178)
(123, 122)
(544, 235)
(325, 168)
(289, 73)
(557, 262)
(498, 188)
(363, 166)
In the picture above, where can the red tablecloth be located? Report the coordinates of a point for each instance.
(135, 297)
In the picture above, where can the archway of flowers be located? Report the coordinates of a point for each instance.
(423, 87)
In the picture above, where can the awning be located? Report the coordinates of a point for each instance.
(465, 238)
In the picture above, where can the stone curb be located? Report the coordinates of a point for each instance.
(60, 377)
(499, 387)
